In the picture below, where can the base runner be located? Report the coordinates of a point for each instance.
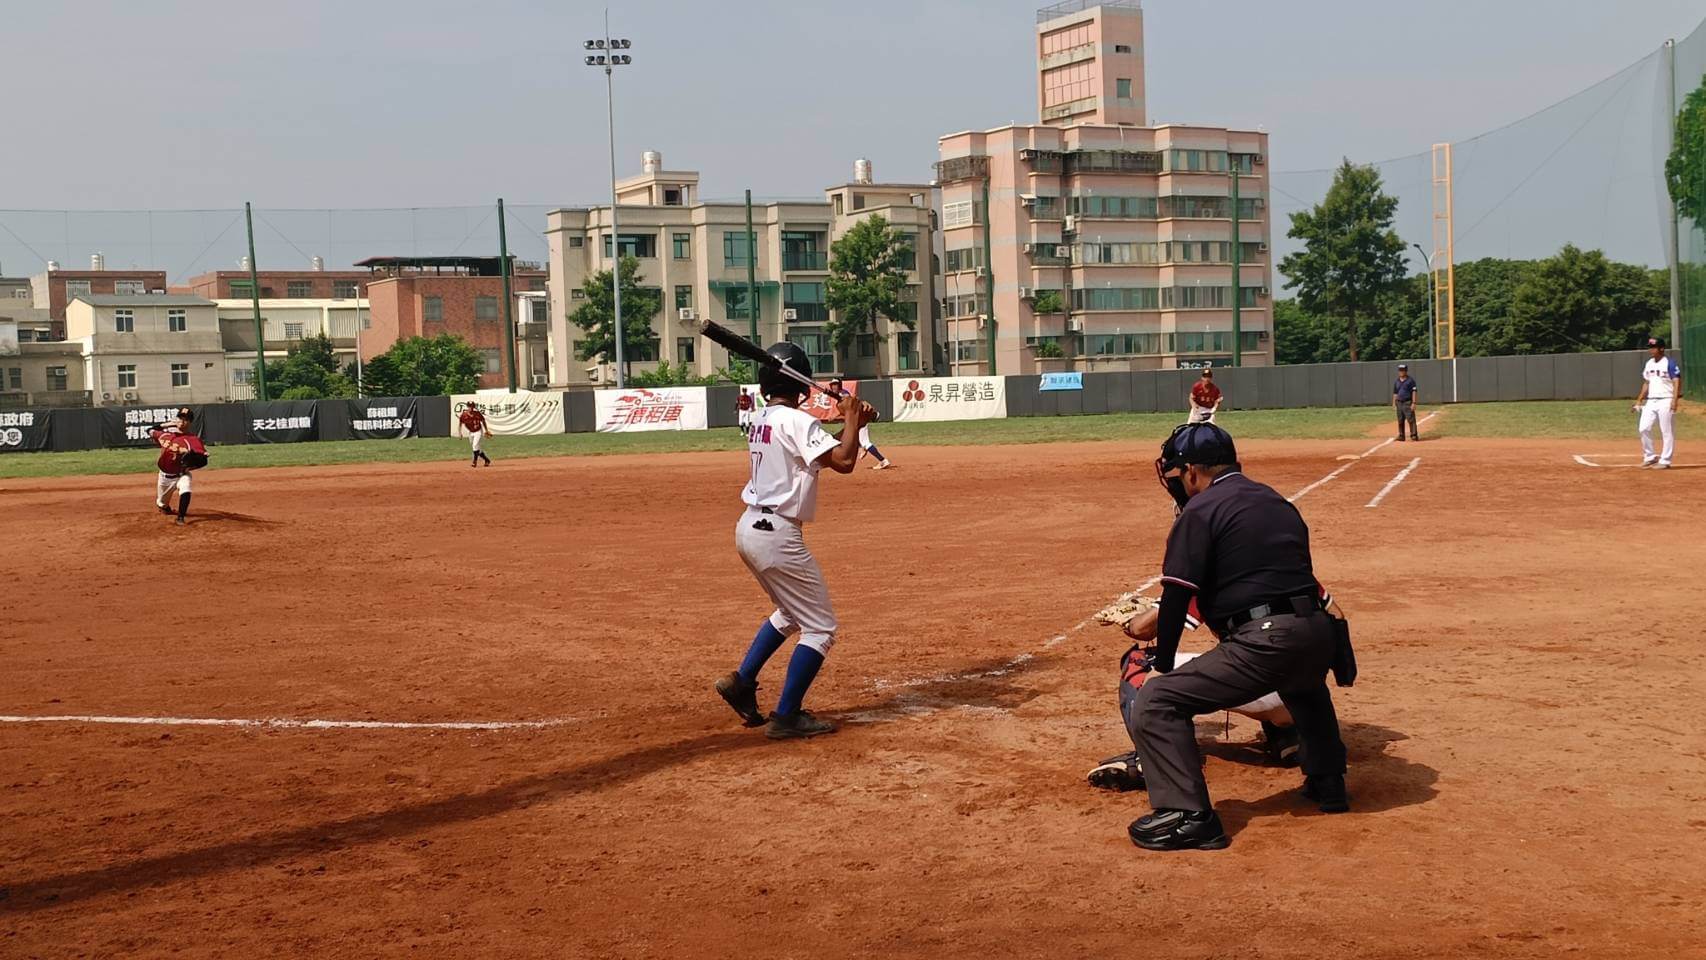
(865, 443)
(1661, 386)
(788, 447)
(180, 453)
(474, 422)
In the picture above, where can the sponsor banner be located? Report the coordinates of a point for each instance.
(1201, 362)
(25, 430)
(383, 418)
(950, 398)
(129, 426)
(512, 414)
(282, 421)
(820, 405)
(1062, 381)
(663, 408)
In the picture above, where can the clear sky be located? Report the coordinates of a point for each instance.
(377, 103)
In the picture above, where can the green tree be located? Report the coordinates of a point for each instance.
(308, 372)
(866, 278)
(1578, 300)
(597, 314)
(1350, 252)
(1685, 168)
(1047, 302)
(424, 367)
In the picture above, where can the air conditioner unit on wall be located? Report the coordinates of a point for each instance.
(1029, 247)
(1261, 248)
(1063, 252)
(1024, 293)
(1074, 325)
(684, 314)
(789, 313)
(1263, 293)
(983, 271)
(1261, 336)
(130, 396)
(1072, 223)
(1258, 160)
(541, 380)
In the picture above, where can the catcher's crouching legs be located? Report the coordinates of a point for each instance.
(1123, 772)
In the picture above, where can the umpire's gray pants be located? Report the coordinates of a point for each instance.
(1287, 653)
(1407, 414)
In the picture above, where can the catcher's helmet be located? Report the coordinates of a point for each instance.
(775, 383)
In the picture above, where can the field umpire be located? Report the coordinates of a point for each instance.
(1243, 551)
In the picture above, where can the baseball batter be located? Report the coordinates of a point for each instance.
(788, 447)
(865, 443)
(474, 422)
(1661, 388)
(180, 453)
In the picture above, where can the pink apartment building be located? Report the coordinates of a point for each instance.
(1092, 242)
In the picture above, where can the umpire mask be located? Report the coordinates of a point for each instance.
(1202, 444)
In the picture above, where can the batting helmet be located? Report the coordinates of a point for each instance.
(774, 383)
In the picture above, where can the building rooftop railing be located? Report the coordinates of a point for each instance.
(1048, 13)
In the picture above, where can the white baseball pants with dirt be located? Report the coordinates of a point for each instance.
(165, 485)
(1657, 413)
(774, 549)
(477, 440)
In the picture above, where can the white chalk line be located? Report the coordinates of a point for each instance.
(293, 724)
(905, 710)
(1584, 460)
(1392, 484)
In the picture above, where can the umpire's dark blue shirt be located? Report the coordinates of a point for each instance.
(1238, 544)
(1404, 388)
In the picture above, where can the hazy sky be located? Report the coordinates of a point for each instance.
(361, 103)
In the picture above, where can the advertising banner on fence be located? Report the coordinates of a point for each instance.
(663, 408)
(1061, 381)
(129, 426)
(282, 421)
(950, 398)
(819, 404)
(512, 414)
(382, 418)
(25, 430)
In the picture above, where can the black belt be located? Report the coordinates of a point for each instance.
(1302, 606)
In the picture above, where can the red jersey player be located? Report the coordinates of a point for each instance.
(1205, 398)
(474, 422)
(180, 452)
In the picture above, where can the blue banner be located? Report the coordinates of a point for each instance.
(1062, 381)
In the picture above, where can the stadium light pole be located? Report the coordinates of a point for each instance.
(603, 54)
(1433, 304)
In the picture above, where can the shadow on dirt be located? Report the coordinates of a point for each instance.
(221, 516)
(1378, 780)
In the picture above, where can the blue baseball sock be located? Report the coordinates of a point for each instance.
(764, 644)
(876, 453)
(802, 670)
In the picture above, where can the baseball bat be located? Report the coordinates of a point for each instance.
(735, 343)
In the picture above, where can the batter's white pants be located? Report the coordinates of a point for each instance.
(788, 572)
(1659, 413)
(165, 485)
(477, 440)
(865, 437)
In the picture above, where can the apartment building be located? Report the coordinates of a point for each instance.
(1091, 242)
(38, 374)
(153, 348)
(697, 253)
(54, 289)
(429, 296)
(284, 324)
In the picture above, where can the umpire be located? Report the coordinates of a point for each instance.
(1243, 551)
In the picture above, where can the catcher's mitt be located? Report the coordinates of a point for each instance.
(1124, 610)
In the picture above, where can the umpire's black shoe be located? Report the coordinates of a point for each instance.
(1120, 774)
(1281, 744)
(1329, 792)
(743, 697)
(1179, 830)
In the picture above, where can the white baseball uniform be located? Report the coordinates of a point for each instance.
(784, 445)
(1661, 376)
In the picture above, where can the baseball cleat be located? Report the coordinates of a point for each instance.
(1649, 461)
(1328, 792)
(1661, 465)
(1282, 745)
(1120, 774)
(163, 509)
(797, 725)
(743, 697)
(178, 522)
(1179, 830)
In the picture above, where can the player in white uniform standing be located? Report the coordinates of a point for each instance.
(1661, 389)
(836, 387)
(788, 447)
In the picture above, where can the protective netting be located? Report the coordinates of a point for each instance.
(1690, 80)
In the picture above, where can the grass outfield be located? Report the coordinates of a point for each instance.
(1596, 419)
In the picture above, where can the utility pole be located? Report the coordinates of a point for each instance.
(1237, 271)
(989, 272)
(751, 271)
(255, 300)
(603, 55)
(1675, 250)
(509, 297)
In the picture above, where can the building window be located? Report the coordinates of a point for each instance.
(485, 308)
(1122, 48)
(56, 378)
(683, 244)
(127, 376)
(129, 288)
(1122, 88)
(577, 242)
(684, 296)
(684, 349)
(634, 245)
(867, 345)
(176, 321)
(432, 308)
(959, 214)
(76, 288)
(20, 294)
(180, 374)
(293, 331)
(734, 300)
(645, 353)
(17, 375)
(672, 196)
(539, 310)
(242, 375)
(817, 347)
(124, 321)
(494, 360)
(906, 256)
(807, 302)
(298, 289)
(344, 289)
(907, 344)
(242, 288)
(955, 261)
(737, 249)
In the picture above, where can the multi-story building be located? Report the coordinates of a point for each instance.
(284, 324)
(429, 296)
(697, 254)
(54, 289)
(153, 348)
(38, 373)
(314, 284)
(1090, 242)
